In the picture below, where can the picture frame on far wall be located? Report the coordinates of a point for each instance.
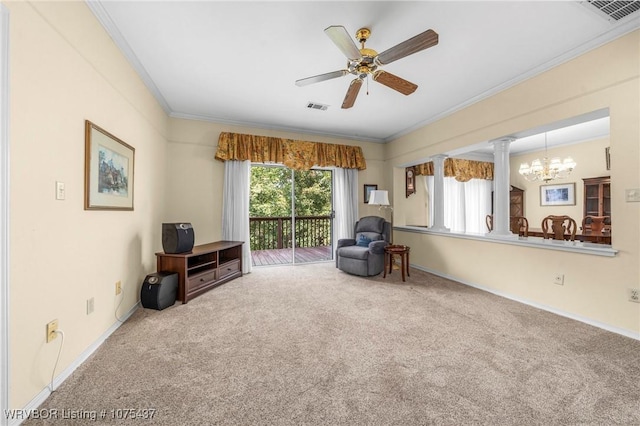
(108, 170)
(558, 195)
(367, 191)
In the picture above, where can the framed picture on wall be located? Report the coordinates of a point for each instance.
(367, 191)
(108, 171)
(558, 195)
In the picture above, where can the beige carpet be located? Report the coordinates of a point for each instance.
(313, 345)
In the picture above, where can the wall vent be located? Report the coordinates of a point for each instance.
(614, 10)
(315, 105)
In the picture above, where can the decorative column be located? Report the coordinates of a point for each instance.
(438, 194)
(501, 187)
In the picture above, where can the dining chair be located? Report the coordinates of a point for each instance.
(519, 225)
(489, 221)
(559, 227)
(596, 223)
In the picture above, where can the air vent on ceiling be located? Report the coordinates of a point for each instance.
(315, 105)
(614, 9)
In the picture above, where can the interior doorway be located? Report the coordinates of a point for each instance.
(290, 215)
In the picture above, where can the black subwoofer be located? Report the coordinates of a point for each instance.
(177, 237)
(159, 290)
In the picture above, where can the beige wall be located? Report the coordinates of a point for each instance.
(195, 178)
(64, 69)
(590, 159)
(595, 287)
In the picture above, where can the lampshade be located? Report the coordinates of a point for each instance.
(380, 198)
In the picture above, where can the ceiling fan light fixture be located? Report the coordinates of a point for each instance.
(364, 61)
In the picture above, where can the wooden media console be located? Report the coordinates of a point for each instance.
(204, 267)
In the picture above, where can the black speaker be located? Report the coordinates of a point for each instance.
(159, 290)
(177, 237)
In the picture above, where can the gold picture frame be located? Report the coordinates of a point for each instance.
(108, 170)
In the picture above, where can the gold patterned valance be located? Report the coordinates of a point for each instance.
(461, 170)
(297, 155)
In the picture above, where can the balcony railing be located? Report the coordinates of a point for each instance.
(267, 233)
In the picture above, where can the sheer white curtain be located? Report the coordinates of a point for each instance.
(466, 204)
(428, 190)
(346, 202)
(477, 202)
(235, 207)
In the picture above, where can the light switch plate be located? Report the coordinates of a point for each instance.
(60, 191)
(632, 195)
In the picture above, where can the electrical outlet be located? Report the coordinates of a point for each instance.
(51, 330)
(118, 287)
(558, 279)
(90, 306)
(634, 295)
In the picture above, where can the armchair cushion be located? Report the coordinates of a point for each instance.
(363, 241)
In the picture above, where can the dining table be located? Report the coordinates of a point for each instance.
(585, 235)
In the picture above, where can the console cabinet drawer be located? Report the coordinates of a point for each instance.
(201, 280)
(229, 268)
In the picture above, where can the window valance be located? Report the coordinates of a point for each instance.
(461, 170)
(295, 154)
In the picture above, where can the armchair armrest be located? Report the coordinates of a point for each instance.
(344, 242)
(377, 247)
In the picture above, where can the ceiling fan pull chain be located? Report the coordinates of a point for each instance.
(367, 85)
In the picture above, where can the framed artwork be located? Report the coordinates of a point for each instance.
(607, 157)
(367, 191)
(410, 181)
(108, 170)
(558, 195)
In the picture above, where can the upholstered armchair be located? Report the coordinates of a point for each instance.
(364, 254)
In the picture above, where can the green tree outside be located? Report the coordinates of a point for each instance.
(271, 192)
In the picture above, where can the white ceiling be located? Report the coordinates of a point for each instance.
(236, 62)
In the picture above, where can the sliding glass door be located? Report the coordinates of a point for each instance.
(313, 215)
(290, 215)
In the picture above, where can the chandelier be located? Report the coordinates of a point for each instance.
(546, 170)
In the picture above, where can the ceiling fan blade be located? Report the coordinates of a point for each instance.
(394, 82)
(408, 47)
(352, 93)
(321, 77)
(339, 35)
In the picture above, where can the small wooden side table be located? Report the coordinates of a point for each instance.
(403, 252)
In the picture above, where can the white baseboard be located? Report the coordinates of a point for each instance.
(553, 310)
(44, 394)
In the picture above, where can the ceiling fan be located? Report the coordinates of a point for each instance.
(364, 62)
